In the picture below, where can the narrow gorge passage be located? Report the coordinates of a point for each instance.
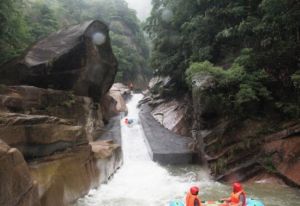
(142, 182)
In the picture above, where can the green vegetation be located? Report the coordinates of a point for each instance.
(251, 48)
(236, 89)
(25, 21)
(14, 34)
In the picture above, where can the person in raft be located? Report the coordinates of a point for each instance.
(128, 121)
(192, 198)
(237, 197)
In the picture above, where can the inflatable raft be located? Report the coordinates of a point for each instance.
(250, 202)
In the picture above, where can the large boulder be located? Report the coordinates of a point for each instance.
(17, 187)
(77, 58)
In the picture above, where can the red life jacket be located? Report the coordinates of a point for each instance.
(235, 198)
(190, 200)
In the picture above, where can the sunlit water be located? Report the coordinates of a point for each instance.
(141, 182)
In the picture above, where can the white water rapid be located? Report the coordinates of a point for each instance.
(142, 182)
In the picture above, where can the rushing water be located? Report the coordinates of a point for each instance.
(141, 182)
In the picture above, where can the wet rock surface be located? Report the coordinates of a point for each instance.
(62, 178)
(17, 187)
(39, 135)
(108, 158)
(77, 110)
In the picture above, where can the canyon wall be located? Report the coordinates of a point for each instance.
(54, 147)
(233, 149)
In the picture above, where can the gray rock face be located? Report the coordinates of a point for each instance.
(78, 58)
(173, 116)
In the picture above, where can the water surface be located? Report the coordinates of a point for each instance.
(141, 182)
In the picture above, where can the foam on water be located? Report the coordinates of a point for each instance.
(142, 182)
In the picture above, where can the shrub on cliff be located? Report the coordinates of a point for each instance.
(240, 91)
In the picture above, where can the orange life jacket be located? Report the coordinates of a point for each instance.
(190, 200)
(235, 198)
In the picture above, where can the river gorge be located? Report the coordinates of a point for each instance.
(142, 182)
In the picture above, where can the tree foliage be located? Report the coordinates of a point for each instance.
(260, 36)
(14, 34)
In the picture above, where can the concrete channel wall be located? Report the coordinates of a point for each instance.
(165, 147)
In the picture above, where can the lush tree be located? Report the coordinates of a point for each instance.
(262, 36)
(41, 19)
(14, 34)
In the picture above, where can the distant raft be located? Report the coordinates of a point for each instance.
(130, 121)
(250, 202)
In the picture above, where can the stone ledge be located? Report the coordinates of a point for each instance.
(164, 146)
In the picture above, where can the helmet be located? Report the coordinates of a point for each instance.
(194, 190)
(237, 187)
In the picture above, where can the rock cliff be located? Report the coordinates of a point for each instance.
(172, 113)
(233, 150)
(51, 114)
(239, 149)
